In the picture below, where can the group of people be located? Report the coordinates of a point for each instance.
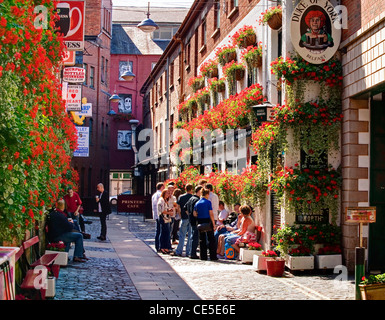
(67, 224)
(201, 216)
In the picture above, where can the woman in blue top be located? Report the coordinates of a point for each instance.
(203, 210)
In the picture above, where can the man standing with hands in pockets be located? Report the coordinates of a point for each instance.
(103, 208)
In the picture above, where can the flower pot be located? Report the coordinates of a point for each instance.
(372, 291)
(275, 267)
(328, 261)
(220, 87)
(300, 262)
(257, 62)
(246, 255)
(275, 22)
(213, 73)
(62, 259)
(249, 40)
(259, 262)
(230, 56)
(239, 74)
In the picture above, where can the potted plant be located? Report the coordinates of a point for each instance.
(328, 257)
(253, 56)
(217, 85)
(259, 261)
(234, 71)
(300, 259)
(196, 83)
(209, 68)
(58, 247)
(226, 54)
(246, 254)
(275, 267)
(272, 17)
(373, 287)
(244, 37)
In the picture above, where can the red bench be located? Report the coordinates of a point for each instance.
(46, 262)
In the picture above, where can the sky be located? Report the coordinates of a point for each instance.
(155, 3)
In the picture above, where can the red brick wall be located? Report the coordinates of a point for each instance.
(361, 12)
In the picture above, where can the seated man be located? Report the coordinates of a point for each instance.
(223, 214)
(62, 229)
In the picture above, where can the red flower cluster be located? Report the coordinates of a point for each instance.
(269, 253)
(300, 251)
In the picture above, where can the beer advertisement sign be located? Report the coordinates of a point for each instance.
(74, 75)
(316, 30)
(71, 23)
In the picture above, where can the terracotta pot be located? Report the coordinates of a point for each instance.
(275, 268)
(275, 22)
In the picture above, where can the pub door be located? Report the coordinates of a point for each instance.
(376, 258)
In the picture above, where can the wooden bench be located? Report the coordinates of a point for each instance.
(34, 272)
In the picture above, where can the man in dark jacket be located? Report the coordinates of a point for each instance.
(103, 208)
(189, 207)
(62, 229)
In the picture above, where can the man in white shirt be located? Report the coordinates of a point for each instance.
(214, 201)
(154, 200)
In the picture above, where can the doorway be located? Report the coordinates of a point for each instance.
(376, 258)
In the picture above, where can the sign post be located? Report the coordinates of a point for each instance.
(360, 215)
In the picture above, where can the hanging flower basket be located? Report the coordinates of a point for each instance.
(196, 83)
(272, 17)
(253, 56)
(244, 37)
(209, 69)
(239, 74)
(226, 54)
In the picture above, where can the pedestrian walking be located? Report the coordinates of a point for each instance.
(103, 209)
(185, 227)
(213, 197)
(155, 216)
(189, 208)
(203, 211)
(165, 212)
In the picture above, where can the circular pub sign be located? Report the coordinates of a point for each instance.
(315, 30)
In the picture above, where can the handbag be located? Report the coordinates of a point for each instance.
(166, 218)
(205, 227)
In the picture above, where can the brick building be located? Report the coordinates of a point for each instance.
(137, 51)
(363, 44)
(96, 60)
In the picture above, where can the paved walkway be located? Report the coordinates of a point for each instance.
(126, 267)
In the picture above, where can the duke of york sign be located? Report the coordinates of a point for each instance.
(315, 31)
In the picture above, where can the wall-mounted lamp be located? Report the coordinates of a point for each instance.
(148, 25)
(128, 75)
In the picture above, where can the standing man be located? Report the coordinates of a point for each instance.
(103, 208)
(214, 202)
(73, 204)
(203, 211)
(185, 226)
(189, 208)
(155, 215)
(172, 204)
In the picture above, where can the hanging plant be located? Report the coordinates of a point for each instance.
(254, 186)
(217, 85)
(202, 97)
(253, 56)
(233, 71)
(308, 191)
(244, 37)
(272, 17)
(209, 68)
(196, 83)
(226, 54)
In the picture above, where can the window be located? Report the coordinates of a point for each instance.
(92, 77)
(203, 35)
(106, 72)
(85, 66)
(217, 14)
(107, 20)
(188, 53)
(233, 4)
(164, 33)
(102, 70)
(171, 74)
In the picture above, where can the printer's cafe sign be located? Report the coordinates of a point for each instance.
(315, 30)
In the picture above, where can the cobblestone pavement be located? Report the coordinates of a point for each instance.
(104, 277)
(230, 279)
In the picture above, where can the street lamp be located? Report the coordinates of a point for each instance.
(148, 25)
(128, 75)
(263, 111)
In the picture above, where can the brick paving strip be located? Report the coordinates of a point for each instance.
(126, 267)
